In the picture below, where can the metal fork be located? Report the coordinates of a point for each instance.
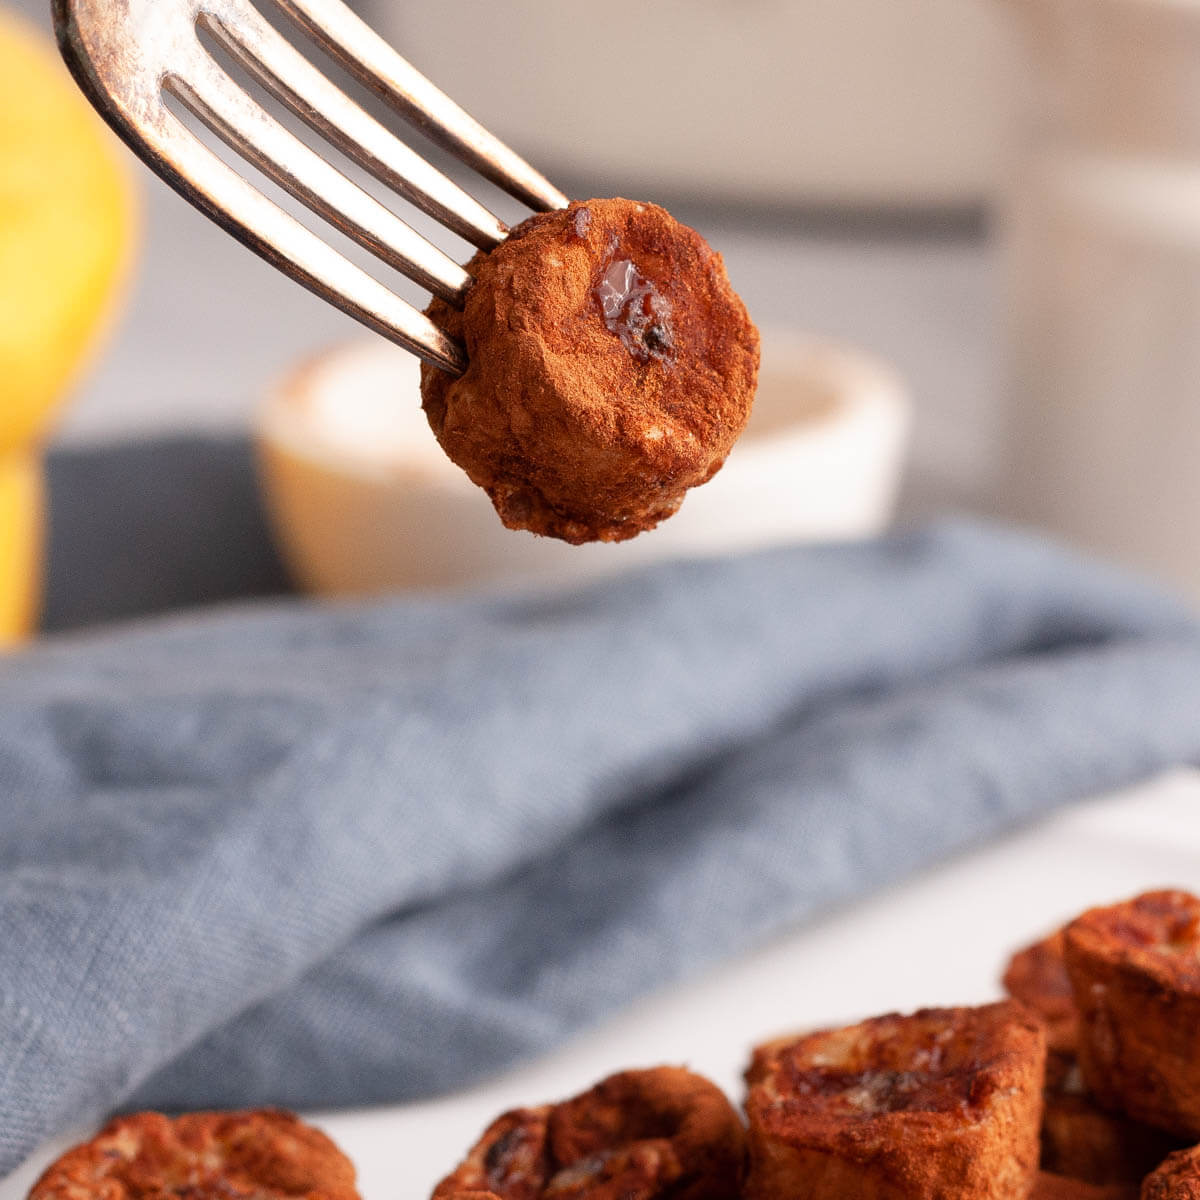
(129, 55)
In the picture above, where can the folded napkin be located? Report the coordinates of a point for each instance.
(318, 855)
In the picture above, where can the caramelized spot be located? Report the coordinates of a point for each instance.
(636, 311)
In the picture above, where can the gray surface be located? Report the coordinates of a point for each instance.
(326, 856)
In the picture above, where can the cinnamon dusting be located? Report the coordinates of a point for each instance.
(611, 368)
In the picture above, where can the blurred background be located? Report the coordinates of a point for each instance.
(987, 209)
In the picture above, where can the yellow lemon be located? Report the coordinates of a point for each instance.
(20, 545)
(66, 223)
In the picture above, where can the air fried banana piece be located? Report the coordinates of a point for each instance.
(1135, 970)
(611, 367)
(685, 1118)
(1080, 1139)
(637, 1135)
(941, 1103)
(263, 1154)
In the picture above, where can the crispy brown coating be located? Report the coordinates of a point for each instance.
(264, 1154)
(636, 1135)
(1037, 976)
(1178, 1178)
(1049, 1186)
(1080, 1139)
(945, 1102)
(611, 368)
(1135, 969)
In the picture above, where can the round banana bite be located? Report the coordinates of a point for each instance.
(1135, 970)
(637, 1135)
(265, 1154)
(1080, 1140)
(611, 367)
(942, 1103)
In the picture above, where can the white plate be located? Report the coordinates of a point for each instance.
(942, 938)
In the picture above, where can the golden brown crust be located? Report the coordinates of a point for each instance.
(1135, 970)
(1037, 976)
(1178, 1178)
(1049, 1186)
(265, 1154)
(1080, 1139)
(586, 426)
(945, 1102)
(637, 1135)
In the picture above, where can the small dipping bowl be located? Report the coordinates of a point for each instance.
(364, 501)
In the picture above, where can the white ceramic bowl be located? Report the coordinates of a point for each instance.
(363, 499)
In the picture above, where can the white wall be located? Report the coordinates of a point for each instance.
(826, 101)
(892, 101)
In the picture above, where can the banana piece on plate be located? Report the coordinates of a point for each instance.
(942, 1102)
(266, 1154)
(636, 1135)
(1135, 970)
(1080, 1139)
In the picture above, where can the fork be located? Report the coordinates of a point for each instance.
(128, 56)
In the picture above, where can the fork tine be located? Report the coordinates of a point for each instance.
(349, 40)
(222, 105)
(289, 76)
(211, 184)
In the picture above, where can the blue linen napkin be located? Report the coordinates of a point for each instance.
(321, 855)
